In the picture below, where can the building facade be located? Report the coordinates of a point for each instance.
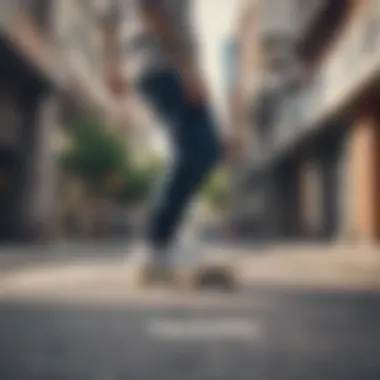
(315, 117)
(245, 218)
(54, 66)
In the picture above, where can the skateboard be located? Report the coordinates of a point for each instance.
(215, 276)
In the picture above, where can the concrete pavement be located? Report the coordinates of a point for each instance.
(339, 267)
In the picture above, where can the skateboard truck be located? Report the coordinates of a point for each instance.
(214, 278)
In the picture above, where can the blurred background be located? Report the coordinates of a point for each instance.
(306, 86)
(80, 152)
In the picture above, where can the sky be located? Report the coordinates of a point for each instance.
(216, 22)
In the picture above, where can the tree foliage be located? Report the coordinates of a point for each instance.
(215, 190)
(100, 158)
(96, 155)
(139, 180)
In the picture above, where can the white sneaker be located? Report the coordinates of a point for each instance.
(188, 255)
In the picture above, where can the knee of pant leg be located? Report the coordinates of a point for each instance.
(213, 154)
(204, 160)
(204, 155)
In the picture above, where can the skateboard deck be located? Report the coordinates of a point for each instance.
(215, 275)
(196, 267)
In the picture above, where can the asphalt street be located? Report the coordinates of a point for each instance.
(271, 334)
(77, 318)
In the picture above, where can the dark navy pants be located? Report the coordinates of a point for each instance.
(197, 150)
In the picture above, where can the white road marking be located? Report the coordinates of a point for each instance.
(200, 329)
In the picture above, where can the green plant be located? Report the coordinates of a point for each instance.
(96, 155)
(215, 190)
(139, 180)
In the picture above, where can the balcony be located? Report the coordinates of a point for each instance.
(319, 27)
(277, 18)
(308, 12)
(8, 12)
(80, 38)
(290, 18)
(40, 11)
(25, 24)
(305, 26)
(351, 69)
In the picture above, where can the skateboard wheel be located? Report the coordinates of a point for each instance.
(220, 278)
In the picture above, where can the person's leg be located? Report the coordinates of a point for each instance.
(197, 151)
(198, 154)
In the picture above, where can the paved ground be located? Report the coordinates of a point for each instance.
(285, 336)
(82, 321)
